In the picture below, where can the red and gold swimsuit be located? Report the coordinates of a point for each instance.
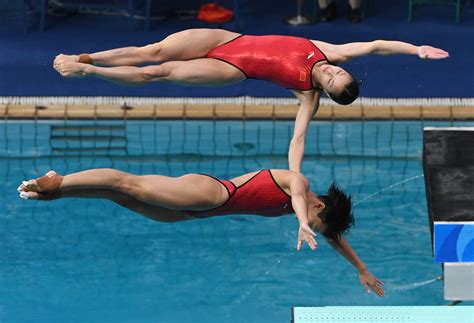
(284, 60)
(260, 195)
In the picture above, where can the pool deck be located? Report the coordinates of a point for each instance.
(231, 111)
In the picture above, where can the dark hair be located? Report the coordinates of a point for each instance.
(337, 214)
(348, 94)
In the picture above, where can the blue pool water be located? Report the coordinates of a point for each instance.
(89, 260)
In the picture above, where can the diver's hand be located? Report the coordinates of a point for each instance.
(428, 52)
(306, 234)
(369, 281)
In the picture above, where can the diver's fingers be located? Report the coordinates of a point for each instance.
(298, 245)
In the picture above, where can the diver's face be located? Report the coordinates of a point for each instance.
(315, 206)
(315, 221)
(334, 79)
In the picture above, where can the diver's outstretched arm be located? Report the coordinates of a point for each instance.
(367, 279)
(299, 187)
(309, 105)
(346, 52)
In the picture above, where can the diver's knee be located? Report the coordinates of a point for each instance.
(155, 72)
(152, 52)
(126, 183)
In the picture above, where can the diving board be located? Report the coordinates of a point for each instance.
(448, 163)
(386, 314)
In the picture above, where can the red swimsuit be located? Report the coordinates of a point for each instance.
(259, 195)
(285, 60)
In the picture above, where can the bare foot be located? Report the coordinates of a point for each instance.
(62, 58)
(46, 187)
(70, 69)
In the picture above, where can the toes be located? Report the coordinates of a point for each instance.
(31, 185)
(24, 195)
(51, 173)
(29, 195)
(23, 187)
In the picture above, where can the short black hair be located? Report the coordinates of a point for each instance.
(337, 213)
(348, 94)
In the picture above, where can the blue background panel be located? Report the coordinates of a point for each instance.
(454, 242)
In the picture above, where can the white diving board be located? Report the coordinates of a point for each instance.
(376, 314)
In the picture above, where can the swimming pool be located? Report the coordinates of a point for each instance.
(81, 260)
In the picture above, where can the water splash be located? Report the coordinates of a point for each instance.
(412, 285)
(387, 188)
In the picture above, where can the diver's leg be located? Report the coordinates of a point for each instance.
(204, 72)
(188, 192)
(153, 212)
(180, 46)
